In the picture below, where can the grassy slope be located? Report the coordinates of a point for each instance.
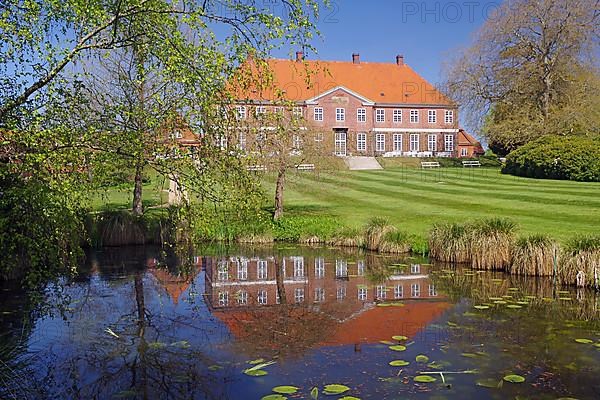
(413, 199)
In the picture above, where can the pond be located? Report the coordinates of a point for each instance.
(235, 323)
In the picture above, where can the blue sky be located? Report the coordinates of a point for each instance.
(425, 32)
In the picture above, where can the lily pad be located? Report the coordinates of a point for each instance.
(489, 383)
(398, 347)
(255, 372)
(314, 393)
(387, 342)
(469, 355)
(424, 379)
(285, 389)
(514, 306)
(421, 358)
(383, 305)
(501, 302)
(349, 398)
(334, 389)
(399, 363)
(514, 378)
(496, 298)
(584, 341)
(257, 361)
(273, 397)
(481, 307)
(399, 337)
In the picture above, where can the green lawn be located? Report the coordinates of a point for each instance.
(414, 199)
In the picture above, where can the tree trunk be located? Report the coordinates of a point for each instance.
(279, 277)
(279, 193)
(137, 192)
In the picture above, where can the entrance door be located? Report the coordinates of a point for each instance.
(340, 143)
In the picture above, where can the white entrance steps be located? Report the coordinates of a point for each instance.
(362, 163)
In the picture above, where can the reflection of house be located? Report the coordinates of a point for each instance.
(357, 108)
(173, 284)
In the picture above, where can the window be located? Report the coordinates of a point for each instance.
(432, 116)
(262, 297)
(223, 271)
(414, 142)
(360, 267)
(362, 294)
(222, 141)
(414, 116)
(361, 115)
(319, 295)
(242, 297)
(223, 299)
(319, 137)
(260, 111)
(415, 290)
(278, 110)
(380, 115)
(432, 142)
(398, 292)
(242, 272)
(262, 270)
(415, 269)
(299, 295)
(397, 116)
(340, 114)
(449, 116)
(298, 267)
(432, 291)
(340, 292)
(381, 291)
(449, 142)
(464, 152)
(242, 140)
(380, 142)
(297, 142)
(241, 112)
(319, 267)
(297, 112)
(397, 142)
(176, 134)
(341, 268)
(361, 142)
(319, 114)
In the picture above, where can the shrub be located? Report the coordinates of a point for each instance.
(557, 157)
(304, 228)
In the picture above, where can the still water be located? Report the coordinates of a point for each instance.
(137, 324)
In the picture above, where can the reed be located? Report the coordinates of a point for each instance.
(534, 255)
(491, 243)
(375, 231)
(256, 238)
(347, 237)
(395, 242)
(450, 242)
(120, 228)
(582, 254)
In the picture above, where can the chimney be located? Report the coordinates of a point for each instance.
(400, 59)
(299, 56)
(355, 58)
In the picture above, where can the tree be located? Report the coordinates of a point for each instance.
(527, 63)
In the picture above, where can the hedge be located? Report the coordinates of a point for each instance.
(574, 158)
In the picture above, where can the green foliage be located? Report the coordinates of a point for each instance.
(41, 230)
(583, 243)
(574, 158)
(294, 228)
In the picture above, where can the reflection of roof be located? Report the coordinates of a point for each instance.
(174, 285)
(384, 83)
(381, 323)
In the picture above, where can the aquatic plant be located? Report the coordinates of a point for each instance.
(395, 242)
(375, 231)
(450, 242)
(491, 243)
(582, 254)
(347, 237)
(120, 228)
(534, 255)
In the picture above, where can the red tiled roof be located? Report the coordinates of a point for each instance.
(384, 83)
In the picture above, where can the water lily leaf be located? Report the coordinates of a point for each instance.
(399, 337)
(255, 372)
(421, 358)
(285, 389)
(502, 302)
(314, 393)
(496, 299)
(514, 306)
(565, 298)
(523, 303)
(399, 363)
(383, 304)
(157, 345)
(397, 304)
(335, 389)
(469, 355)
(482, 307)
(514, 378)
(398, 347)
(182, 344)
(388, 342)
(349, 398)
(273, 397)
(452, 324)
(597, 345)
(489, 383)
(530, 297)
(257, 361)
(584, 341)
(424, 379)
(215, 367)
(513, 289)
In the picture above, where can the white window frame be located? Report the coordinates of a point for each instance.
(464, 152)
(340, 114)
(361, 141)
(319, 137)
(242, 270)
(432, 116)
(223, 271)
(318, 114)
(432, 142)
(341, 292)
(299, 295)
(449, 142)
(341, 268)
(361, 115)
(242, 297)
(363, 293)
(414, 145)
(449, 117)
(380, 115)
(398, 292)
(380, 142)
(415, 290)
(299, 271)
(297, 112)
(242, 140)
(319, 268)
(415, 269)
(319, 295)
(360, 268)
(262, 270)
(381, 292)
(414, 116)
(297, 142)
(262, 297)
(260, 110)
(278, 110)
(397, 142)
(223, 299)
(241, 112)
(397, 116)
(432, 291)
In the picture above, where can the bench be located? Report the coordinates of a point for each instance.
(471, 164)
(305, 167)
(430, 164)
(256, 168)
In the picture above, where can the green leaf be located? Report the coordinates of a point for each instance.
(273, 397)
(584, 341)
(314, 393)
(349, 398)
(257, 361)
(399, 338)
(421, 358)
(424, 379)
(399, 363)
(398, 347)
(256, 372)
(482, 307)
(285, 389)
(335, 388)
(514, 378)
(489, 383)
